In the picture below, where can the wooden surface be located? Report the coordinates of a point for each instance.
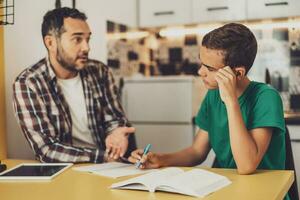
(263, 185)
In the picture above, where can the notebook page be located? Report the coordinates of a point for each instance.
(123, 171)
(197, 182)
(99, 167)
(113, 169)
(150, 180)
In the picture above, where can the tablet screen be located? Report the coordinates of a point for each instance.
(35, 171)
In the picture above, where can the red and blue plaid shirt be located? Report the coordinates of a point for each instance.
(45, 119)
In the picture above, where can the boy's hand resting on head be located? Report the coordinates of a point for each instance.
(227, 79)
(148, 161)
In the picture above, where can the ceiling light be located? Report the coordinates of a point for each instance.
(128, 35)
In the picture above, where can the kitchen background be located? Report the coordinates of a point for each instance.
(152, 46)
(150, 54)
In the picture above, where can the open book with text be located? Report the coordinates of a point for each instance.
(195, 182)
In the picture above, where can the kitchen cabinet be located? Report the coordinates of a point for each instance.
(118, 11)
(218, 10)
(167, 12)
(158, 99)
(260, 9)
(294, 131)
(155, 13)
(162, 110)
(165, 138)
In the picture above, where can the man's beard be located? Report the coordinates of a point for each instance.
(65, 61)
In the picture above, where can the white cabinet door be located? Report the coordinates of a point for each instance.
(218, 10)
(294, 131)
(120, 11)
(164, 137)
(164, 12)
(296, 152)
(260, 9)
(158, 100)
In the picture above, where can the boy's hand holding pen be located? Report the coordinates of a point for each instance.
(146, 150)
(143, 159)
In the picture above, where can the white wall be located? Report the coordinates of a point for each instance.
(24, 47)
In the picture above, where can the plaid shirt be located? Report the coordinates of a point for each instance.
(45, 119)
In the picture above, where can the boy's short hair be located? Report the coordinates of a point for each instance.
(54, 20)
(237, 42)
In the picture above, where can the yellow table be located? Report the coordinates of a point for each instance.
(73, 185)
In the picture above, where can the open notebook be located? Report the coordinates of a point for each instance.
(195, 182)
(113, 169)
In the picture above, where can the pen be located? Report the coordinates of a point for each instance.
(146, 150)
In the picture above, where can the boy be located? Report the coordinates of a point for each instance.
(241, 120)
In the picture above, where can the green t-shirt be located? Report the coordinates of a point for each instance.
(261, 106)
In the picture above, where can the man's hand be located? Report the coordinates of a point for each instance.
(226, 79)
(117, 142)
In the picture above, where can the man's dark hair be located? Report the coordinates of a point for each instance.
(54, 20)
(237, 42)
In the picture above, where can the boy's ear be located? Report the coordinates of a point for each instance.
(240, 72)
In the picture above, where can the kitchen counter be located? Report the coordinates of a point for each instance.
(292, 118)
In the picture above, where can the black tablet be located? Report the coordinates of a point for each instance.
(34, 171)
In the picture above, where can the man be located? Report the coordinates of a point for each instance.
(67, 104)
(241, 120)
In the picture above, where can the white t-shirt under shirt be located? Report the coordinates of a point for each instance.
(73, 92)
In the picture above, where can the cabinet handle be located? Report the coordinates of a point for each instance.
(284, 3)
(295, 140)
(217, 8)
(164, 13)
